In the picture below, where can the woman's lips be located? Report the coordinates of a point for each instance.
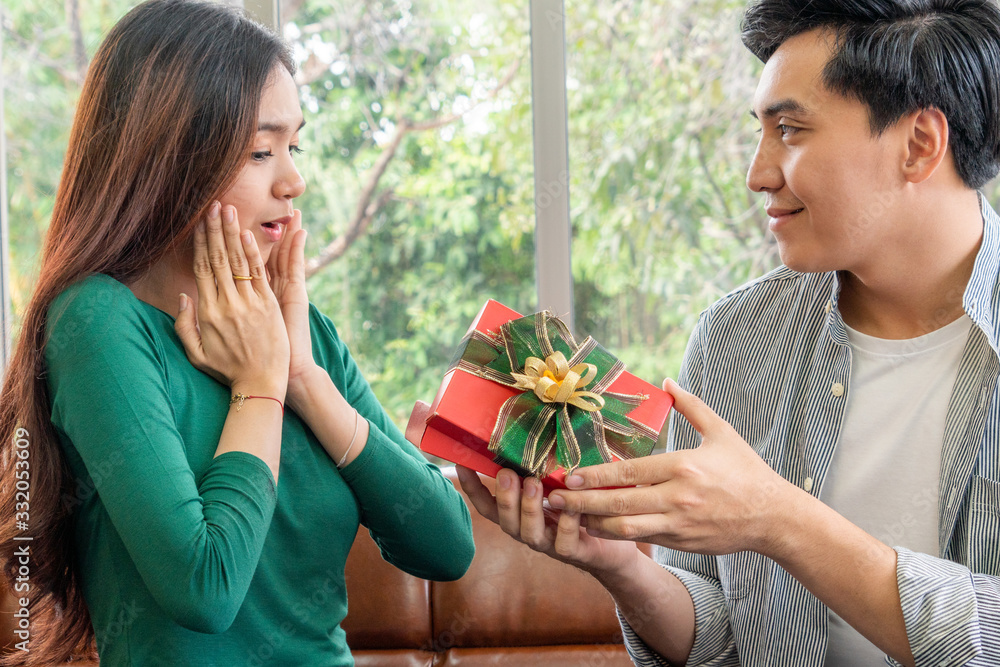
(274, 229)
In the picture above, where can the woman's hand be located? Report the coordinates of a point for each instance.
(521, 514)
(311, 392)
(287, 271)
(238, 334)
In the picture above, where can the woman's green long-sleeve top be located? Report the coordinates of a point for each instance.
(188, 558)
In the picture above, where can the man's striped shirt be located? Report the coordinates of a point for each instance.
(772, 358)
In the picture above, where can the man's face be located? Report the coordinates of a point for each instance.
(829, 186)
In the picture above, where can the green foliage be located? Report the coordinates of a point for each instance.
(40, 92)
(458, 227)
(660, 139)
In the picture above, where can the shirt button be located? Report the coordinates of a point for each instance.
(828, 307)
(808, 484)
(837, 389)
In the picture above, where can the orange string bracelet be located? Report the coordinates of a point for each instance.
(239, 398)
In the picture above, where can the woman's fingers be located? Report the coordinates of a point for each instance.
(272, 266)
(295, 260)
(533, 529)
(232, 236)
(285, 249)
(508, 495)
(218, 254)
(567, 540)
(255, 262)
(479, 495)
(227, 260)
(186, 326)
(204, 275)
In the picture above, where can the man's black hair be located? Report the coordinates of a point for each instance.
(900, 56)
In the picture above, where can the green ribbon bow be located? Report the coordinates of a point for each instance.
(564, 402)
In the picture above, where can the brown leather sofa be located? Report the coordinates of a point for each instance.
(514, 607)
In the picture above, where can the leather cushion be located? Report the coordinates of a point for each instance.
(387, 608)
(398, 658)
(595, 655)
(513, 596)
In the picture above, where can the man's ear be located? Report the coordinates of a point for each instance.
(927, 145)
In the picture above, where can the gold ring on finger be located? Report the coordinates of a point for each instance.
(236, 277)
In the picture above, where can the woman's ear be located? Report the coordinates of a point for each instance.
(927, 144)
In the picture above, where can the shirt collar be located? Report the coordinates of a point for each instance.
(834, 319)
(981, 299)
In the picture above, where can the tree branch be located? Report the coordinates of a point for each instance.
(435, 123)
(369, 205)
(33, 54)
(336, 250)
(708, 175)
(366, 208)
(311, 70)
(76, 33)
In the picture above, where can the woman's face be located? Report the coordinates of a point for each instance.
(269, 182)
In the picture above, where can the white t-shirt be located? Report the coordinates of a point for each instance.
(885, 472)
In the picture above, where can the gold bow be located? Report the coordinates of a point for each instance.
(553, 381)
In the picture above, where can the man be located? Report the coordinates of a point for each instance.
(833, 493)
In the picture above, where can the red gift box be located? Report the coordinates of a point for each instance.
(457, 426)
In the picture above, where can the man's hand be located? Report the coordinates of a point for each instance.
(655, 603)
(716, 499)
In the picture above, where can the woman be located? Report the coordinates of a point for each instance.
(172, 494)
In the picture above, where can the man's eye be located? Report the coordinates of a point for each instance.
(260, 156)
(787, 130)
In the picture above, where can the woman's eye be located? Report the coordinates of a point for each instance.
(295, 150)
(260, 156)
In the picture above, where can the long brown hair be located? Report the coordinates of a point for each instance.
(163, 127)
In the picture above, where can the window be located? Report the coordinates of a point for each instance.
(421, 199)
(418, 137)
(660, 140)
